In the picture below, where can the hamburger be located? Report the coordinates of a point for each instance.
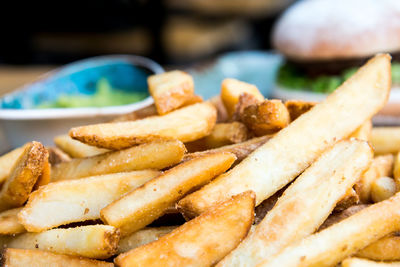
(325, 41)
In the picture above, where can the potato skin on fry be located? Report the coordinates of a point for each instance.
(385, 249)
(202, 241)
(38, 258)
(297, 108)
(186, 124)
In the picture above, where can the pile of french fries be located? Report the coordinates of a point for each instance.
(237, 180)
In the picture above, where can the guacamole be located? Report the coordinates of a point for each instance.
(104, 96)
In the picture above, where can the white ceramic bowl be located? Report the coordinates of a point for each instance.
(18, 126)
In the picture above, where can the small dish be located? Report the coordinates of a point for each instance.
(21, 122)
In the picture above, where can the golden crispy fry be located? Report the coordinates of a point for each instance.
(170, 90)
(337, 217)
(75, 148)
(293, 149)
(380, 166)
(200, 242)
(327, 181)
(357, 262)
(335, 243)
(143, 237)
(245, 100)
(186, 124)
(56, 155)
(350, 199)
(396, 170)
(155, 155)
(241, 150)
(92, 241)
(9, 224)
(382, 188)
(222, 114)
(7, 161)
(266, 117)
(385, 139)
(385, 249)
(78, 200)
(45, 177)
(231, 89)
(37, 258)
(18, 186)
(148, 202)
(363, 132)
(297, 108)
(226, 134)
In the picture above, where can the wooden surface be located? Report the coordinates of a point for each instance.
(12, 77)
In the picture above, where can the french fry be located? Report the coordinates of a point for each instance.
(327, 181)
(77, 149)
(9, 224)
(91, 241)
(357, 262)
(380, 166)
(340, 216)
(231, 89)
(7, 162)
(297, 108)
(226, 134)
(56, 155)
(186, 124)
(363, 132)
(294, 148)
(78, 200)
(143, 237)
(37, 258)
(245, 100)
(148, 202)
(241, 150)
(382, 188)
(170, 90)
(45, 176)
(26, 170)
(139, 114)
(385, 140)
(200, 242)
(385, 249)
(333, 244)
(396, 171)
(155, 155)
(222, 114)
(266, 117)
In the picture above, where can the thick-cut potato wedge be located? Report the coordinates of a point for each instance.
(170, 90)
(380, 166)
(7, 162)
(331, 245)
(222, 114)
(226, 134)
(9, 224)
(77, 149)
(327, 181)
(295, 147)
(92, 241)
(37, 258)
(148, 202)
(266, 117)
(363, 132)
(245, 100)
(26, 170)
(186, 124)
(385, 249)
(350, 199)
(382, 188)
(241, 150)
(200, 242)
(155, 155)
(78, 200)
(231, 89)
(297, 108)
(143, 237)
(357, 262)
(385, 139)
(56, 155)
(340, 216)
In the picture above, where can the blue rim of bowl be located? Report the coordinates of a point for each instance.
(71, 113)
